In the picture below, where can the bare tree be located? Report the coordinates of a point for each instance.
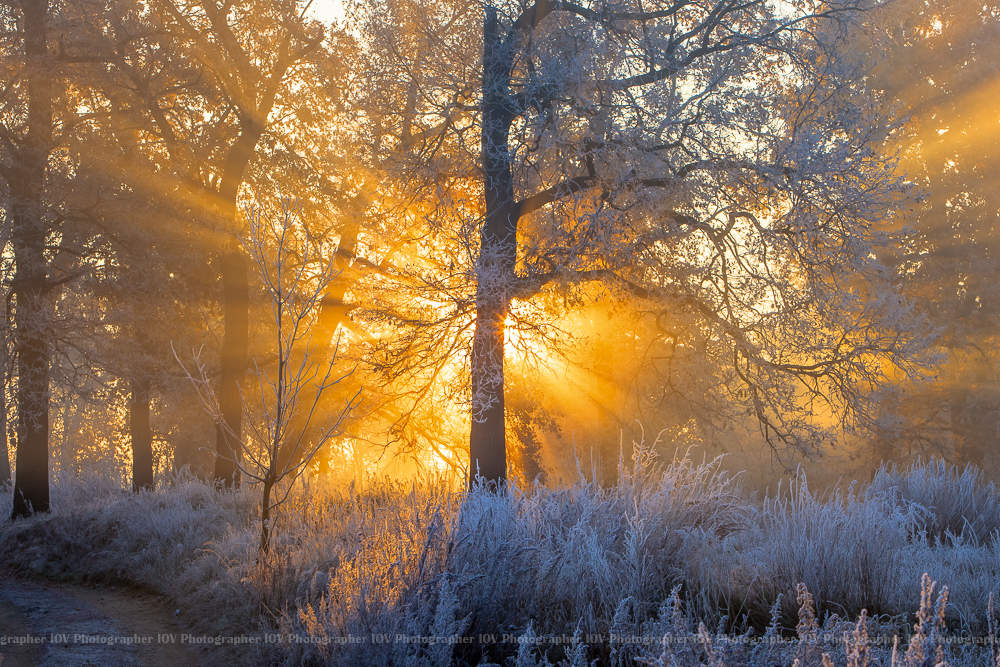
(251, 54)
(295, 273)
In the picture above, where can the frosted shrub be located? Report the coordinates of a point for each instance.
(682, 518)
(562, 556)
(156, 540)
(971, 570)
(558, 560)
(388, 578)
(846, 547)
(111, 533)
(957, 500)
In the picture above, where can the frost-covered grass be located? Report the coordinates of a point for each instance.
(423, 574)
(957, 500)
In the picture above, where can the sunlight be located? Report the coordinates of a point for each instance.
(936, 27)
(525, 341)
(327, 10)
(392, 331)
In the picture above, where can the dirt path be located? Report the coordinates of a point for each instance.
(44, 623)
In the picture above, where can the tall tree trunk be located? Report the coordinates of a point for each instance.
(235, 308)
(141, 434)
(31, 289)
(495, 271)
(235, 351)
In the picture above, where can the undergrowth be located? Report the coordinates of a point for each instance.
(674, 565)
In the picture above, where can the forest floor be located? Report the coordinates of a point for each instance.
(49, 623)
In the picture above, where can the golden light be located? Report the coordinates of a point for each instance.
(527, 338)
(327, 10)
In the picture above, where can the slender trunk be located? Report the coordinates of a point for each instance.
(487, 438)
(265, 517)
(31, 289)
(495, 272)
(141, 434)
(4, 456)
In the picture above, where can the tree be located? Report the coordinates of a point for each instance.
(937, 63)
(111, 219)
(295, 275)
(231, 68)
(56, 238)
(24, 173)
(711, 162)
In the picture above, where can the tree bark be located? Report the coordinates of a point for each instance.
(4, 456)
(31, 289)
(141, 434)
(265, 516)
(495, 271)
(235, 344)
(235, 310)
